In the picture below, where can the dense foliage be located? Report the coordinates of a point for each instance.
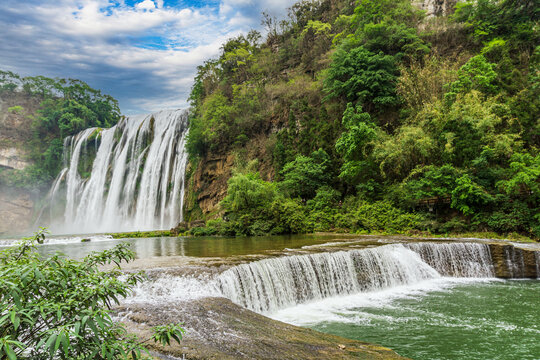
(425, 123)
(58, 308)
(67, 107)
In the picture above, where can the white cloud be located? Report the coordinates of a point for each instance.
(146, 5)
(146, 55)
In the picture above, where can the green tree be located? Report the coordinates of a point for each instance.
(59, 308)
(477, 74)
(359, 132)
(303, 176)
(358, 75)
(467, 196)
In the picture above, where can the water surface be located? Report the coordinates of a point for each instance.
(449, 319)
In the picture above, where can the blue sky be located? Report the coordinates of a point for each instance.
(142, 52)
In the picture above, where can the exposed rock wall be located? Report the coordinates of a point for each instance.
(436, 7)
(512, 262)
(16, 113)
(16, 211)
(207, 182)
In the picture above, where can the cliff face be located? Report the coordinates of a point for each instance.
(436, 7)
(16, 211)
(16, 111)
(207, 185)
(16, 205)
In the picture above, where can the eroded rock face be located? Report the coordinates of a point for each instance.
(15, 128)
(16, 209)
(13, 158)
(436, 7)
(511, 262)
(216, 328)
(16, 206)
(210, 180)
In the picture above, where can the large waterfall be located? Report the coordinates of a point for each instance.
(128, 177)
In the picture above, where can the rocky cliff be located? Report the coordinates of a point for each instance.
(16, 205)
(207, 179)
(16, 111)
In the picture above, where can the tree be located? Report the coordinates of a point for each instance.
(353, 143)
(468, 195)
(304, 175)
(59, 308)
(358, 75)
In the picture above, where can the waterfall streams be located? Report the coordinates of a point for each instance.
(128, 177)
(271, 284)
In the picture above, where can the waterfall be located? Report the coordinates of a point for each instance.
(537, 260)
(457, 259)
(276, 283)
(135, 180)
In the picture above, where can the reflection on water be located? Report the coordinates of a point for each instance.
(194, 246)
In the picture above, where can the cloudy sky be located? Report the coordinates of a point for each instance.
(142, 52)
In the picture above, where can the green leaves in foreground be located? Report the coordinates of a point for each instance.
(54, 307)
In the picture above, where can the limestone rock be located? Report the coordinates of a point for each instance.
(436, 7)
(16, 210)
(216, 328)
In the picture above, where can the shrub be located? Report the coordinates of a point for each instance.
(58, 308)
(303, 176)
(359, 75)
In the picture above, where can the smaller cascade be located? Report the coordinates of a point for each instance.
(537, 259)
(457, 259)
(514, 262)
(272, 284)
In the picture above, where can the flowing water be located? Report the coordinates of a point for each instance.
(426, 300)
(438, 319)
(128, 177)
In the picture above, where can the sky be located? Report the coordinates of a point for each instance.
(142, 52)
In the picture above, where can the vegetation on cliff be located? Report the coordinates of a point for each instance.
(378, 119)
(67, 106)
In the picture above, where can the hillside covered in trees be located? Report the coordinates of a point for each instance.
(371, 116)
(49, 110)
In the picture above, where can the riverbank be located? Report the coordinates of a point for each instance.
(514, 237)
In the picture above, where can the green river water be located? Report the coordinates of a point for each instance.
(442, 319)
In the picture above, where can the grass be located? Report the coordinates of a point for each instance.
(141, 234)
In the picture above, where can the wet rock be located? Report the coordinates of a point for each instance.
(511, 262)
(216, 328)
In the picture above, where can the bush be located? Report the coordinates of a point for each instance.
(58, 308)
(382, 215)
(303, 176)
(359, 75)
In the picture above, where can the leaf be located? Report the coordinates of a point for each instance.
(9, 352)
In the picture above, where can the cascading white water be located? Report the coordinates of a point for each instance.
(458, 259)
(537, 258)
(136, 180)
(272, 284)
